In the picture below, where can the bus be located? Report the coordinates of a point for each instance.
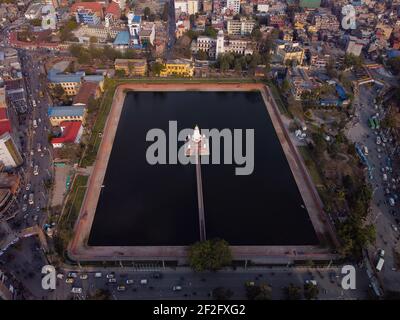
(371, 123)
(376, 121)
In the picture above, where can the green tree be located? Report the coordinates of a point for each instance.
(258, 292)
(394, 64)
(36, 22)
(100, 294)
(292, 292)
(202, 55)
(311, 291)
(221, 293)
(256, 34)
(146, 12)
(157, 67)
(210, 255)
(210, 32)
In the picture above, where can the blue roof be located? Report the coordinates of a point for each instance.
(393, 53)
(122, 38)
(94, 78)
(69, 111)
(340, 91)
(136, 19)
(55, 77)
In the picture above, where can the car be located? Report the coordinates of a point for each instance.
(112, 280)
(395, 228)
(35, 217)
(143, 281)
(60, 276)
(176, 288)
(98, 275)
(28, 187)
(129, 281)
(313, 282)
(72, 274)
(381, 253)
(110, 276)
(37, 209)
(83, 276)
(76, 290)
(121, 288)
(69, 280)
(24, 208)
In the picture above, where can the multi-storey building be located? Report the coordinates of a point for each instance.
(178, 67)
(193, 6)
(135, 67)
(57, 115)
(233, 5)
(290, 51)
(326, 21)
(9, 153)
(87, 12)
(69, 82)
(240, 27)
(215, 47)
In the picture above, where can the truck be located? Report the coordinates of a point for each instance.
(379, 265)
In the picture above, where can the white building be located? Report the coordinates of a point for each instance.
(193, 6)
(9, 154)
(215, 47)
(34, 11)
(240, 27)
(233, 5)
(262, 7)
(181, 5)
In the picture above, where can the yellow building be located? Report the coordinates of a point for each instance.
(134, 67)
(180, 68)
(66, 113)
(290, 51)
(70, 88)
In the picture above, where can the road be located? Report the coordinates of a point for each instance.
(383, 216)
(171, 29)
(199, 285)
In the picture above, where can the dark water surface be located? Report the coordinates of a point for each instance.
(143, 204)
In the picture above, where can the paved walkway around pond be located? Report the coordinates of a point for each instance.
(80, 251)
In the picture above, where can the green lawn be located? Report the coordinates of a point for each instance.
(70, 213)
(311, 166)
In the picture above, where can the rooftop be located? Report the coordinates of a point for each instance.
(122, 38)
(70, 132)
(62, 111)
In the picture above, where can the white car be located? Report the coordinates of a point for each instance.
(83, 276)
(110, 276)
(72, 274)
(176, 288)
(129, 281)
(76, 290)
(395, 228)
(28, 187)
